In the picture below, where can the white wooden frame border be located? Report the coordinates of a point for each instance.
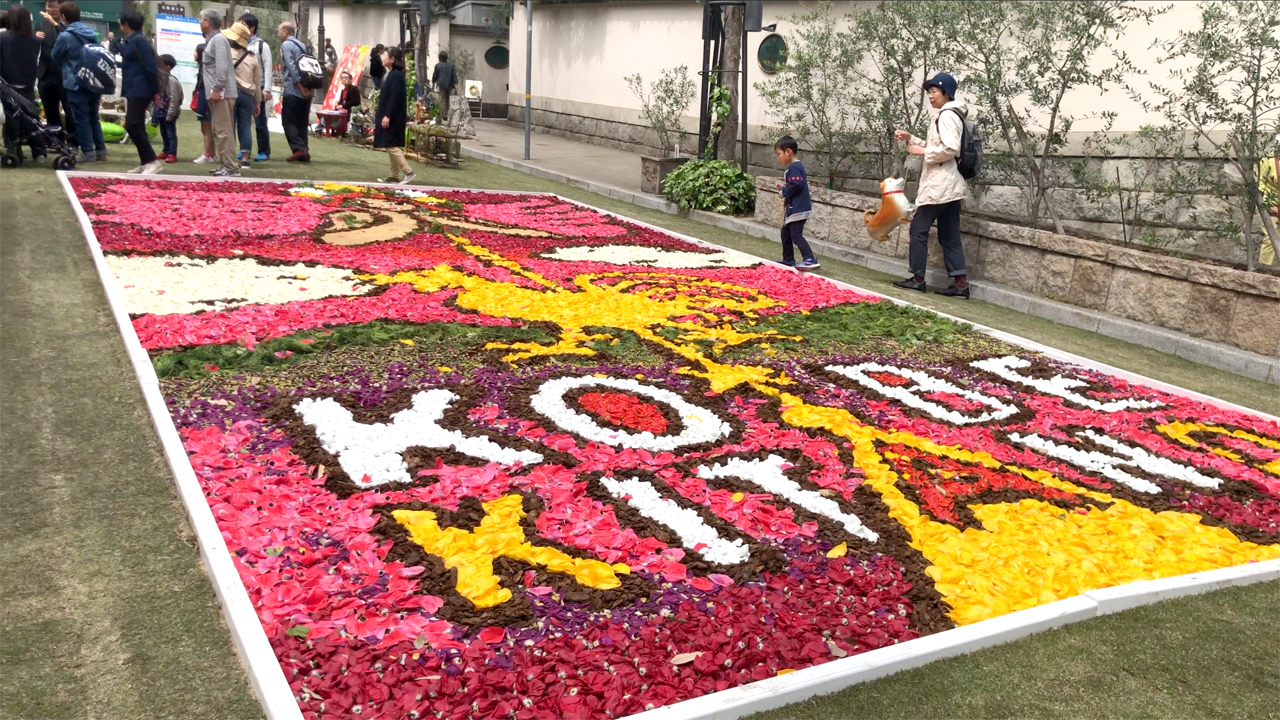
(267, 676)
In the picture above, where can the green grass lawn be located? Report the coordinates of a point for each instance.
(108, 614)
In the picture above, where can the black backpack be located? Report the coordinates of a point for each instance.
(969, 161)
(310, 73)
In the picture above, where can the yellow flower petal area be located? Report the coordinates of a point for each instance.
(1181, 432)
(641, 303)
(498, 535)
(1029, 553)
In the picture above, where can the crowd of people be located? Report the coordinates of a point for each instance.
(231, 100)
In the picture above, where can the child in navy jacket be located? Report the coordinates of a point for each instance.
(798, 206)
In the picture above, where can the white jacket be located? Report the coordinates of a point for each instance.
(940, 180)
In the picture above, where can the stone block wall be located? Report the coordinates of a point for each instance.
(1207, 301)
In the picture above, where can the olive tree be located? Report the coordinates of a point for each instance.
(664, 103)
(812, 96)
(1018, 61)
(1226, 92)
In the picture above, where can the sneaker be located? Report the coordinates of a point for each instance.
(171, 158)
(305, 158)
(224, 172)
(262, 157)
(808, 264)
(244, 161)
(408, 178)
(788, 263)
(136, 171)
(204, 160)
(389, 180)
(152, 167)
(296, 156)
(911, 284)
(102, 156)
(953, 291)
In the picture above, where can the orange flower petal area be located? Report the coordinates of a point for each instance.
(498, 535)
(1181, 431)
(1029, 553)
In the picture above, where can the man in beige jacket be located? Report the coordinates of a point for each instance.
(941, 190)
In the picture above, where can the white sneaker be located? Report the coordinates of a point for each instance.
(408, 178)
(204, 160)
(152, 167)
(138, 170)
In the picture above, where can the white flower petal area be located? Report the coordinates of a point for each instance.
(694, 534)
(1108, 466)
(652, 257)
(912, 396)
(371, 454)
(1058, 385)
(165, 284)
(768, 474)
(700, 425)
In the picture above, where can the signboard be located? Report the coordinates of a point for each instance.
(179, 36)
(352, 61)
(172, 9)
(474, 89)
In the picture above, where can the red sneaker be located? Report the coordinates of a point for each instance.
(171, 158)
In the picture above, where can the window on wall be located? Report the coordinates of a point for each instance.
(772, 54)
(497, 57)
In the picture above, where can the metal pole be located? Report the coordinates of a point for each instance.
(704, 112)
(744, 88)
(320, 33)
(528, 71)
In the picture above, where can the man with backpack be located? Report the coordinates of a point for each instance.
(84, 62)
(941, 189)
(217, 71)
(295, 104)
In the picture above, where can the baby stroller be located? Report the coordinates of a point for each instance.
(25, 114)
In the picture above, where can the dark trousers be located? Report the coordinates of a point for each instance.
(169, 134)
(135, 123)
(294, 112)
(793, 234)
(53, 99)
(84, 109)
(244, 122)
(260, 126)
(948, 219)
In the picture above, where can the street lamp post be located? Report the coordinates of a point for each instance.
(528, 72)
(320, 31)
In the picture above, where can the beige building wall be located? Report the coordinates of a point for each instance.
(582, 52)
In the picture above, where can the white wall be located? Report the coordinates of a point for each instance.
(583, 52)
(358, 25)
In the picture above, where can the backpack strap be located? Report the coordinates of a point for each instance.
(243, 55)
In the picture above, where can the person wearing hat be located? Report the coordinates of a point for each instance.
(217, 70)
(941, 189)
(248, 86)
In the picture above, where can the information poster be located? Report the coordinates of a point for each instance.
(179, 36)
(351, 61)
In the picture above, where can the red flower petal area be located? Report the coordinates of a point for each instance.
(252, 324)
(625, 410)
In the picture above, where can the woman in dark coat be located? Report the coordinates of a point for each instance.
(19, 64)
(391, 116)
(376, 69)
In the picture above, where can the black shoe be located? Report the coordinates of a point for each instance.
(953, 291)
(911, 284)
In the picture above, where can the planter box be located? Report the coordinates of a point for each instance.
(654, 170)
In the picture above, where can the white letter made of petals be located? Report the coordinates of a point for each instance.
(694, 534)
(913, 396)
(371, 454)
(768, 475)
(1057, 385)
(700, 425)
(1108, 466)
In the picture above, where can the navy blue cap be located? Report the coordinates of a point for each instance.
(944, 82)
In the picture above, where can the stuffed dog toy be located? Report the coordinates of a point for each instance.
(894, 209)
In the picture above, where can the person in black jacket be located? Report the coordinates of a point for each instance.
(445, 78)
(376, 69)
(140, 86)
(57, 111)
(19, 64)
(391, 117)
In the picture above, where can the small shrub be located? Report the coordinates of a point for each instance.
(714, 185)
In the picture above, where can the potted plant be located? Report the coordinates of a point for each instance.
(662, 106)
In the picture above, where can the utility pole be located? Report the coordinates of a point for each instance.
(320, 33)
(528, 72)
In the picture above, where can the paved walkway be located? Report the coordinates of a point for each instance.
(593, 163)
(616, 174)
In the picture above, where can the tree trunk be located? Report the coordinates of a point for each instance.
(727, 143)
